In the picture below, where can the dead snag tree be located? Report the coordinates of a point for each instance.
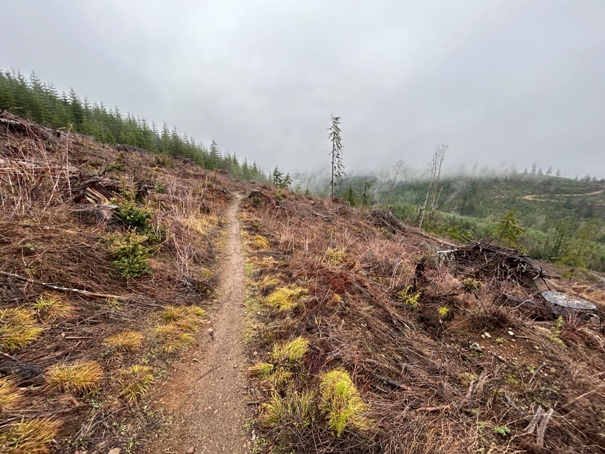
(336, 154)
(434, 190)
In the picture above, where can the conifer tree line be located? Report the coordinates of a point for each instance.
(41, 103)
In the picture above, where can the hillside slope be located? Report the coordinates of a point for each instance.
(362, 334)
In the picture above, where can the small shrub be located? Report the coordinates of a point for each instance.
(409, 297)
(133, 216)
(49, 308)
(30, 436)
(290, 352)
(131, 253)
(9, 394)
(134, 381)
(17, 328)
(126, 341)
(341, 403)
(77, 378)
(285, 298)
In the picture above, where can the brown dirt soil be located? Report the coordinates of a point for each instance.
(206, 391)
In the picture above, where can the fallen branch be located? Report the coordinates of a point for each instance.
(61, 289)
(438, 408)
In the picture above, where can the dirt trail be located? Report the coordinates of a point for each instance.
(537, 198)
(205, 393)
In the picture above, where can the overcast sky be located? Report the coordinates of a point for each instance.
(512, 81)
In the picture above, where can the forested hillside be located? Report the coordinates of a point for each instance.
(561, 218)
(42, 103)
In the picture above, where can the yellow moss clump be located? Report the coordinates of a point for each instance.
(334, 256)
(135, 381)
(341, 403)
(9, 394)
(17, 328)
(126, 341)
(49, 308)
(285, 298)
(30, 436)
(79, 378)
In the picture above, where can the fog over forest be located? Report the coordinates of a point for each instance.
(501, 82)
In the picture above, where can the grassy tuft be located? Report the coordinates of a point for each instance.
(135, 381)
(9, 394)
(267, 283)
(17, 328)
(172, 337)
(290, 352)
(78, 378)
(180, 313)
(260, 242)
(285, 298)
(341, 403)
(29, 436)
(292, 412)
(262, 370)
(126, 341)
(49, 308)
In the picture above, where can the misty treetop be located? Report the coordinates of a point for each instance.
(40, 102)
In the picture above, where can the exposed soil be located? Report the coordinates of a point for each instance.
(205, 393)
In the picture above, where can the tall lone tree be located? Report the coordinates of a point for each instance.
(336, 154)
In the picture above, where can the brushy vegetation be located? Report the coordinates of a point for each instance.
(410, 350)
(29, 436)
(78, 378)
(18, 328)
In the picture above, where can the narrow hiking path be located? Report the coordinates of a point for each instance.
(205, 393)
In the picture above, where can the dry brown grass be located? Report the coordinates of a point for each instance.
(29, 436)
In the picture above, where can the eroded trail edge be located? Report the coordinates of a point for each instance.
(206, 395)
